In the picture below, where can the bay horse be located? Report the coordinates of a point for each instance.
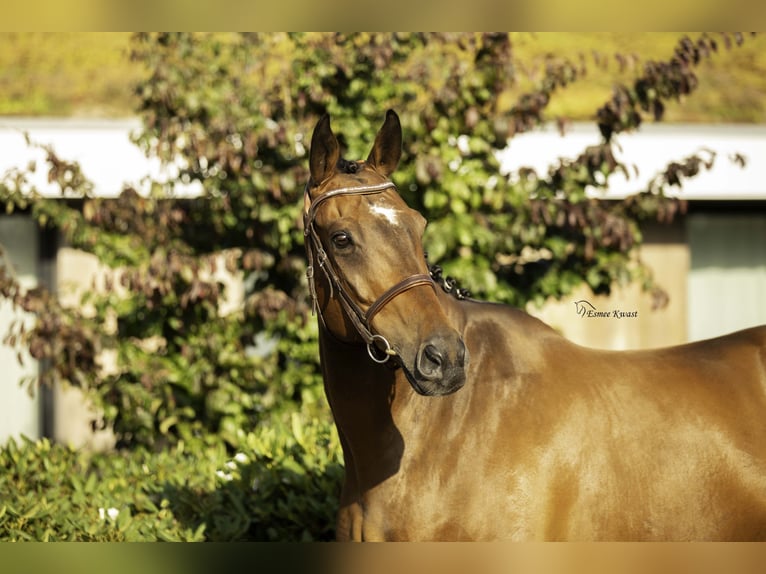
(467, 420)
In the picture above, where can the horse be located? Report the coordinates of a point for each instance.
(467, 420)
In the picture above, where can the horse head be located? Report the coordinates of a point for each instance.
(367, 270)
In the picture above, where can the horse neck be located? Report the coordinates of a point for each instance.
(355, 385)
(360, 393)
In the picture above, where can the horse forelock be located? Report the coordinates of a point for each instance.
(347, 166)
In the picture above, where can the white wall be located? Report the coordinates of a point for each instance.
(109, 159)
(650, 150)
(103, 149)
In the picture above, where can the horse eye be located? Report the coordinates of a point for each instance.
(341, 239)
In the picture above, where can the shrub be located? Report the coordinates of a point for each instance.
(281, 486)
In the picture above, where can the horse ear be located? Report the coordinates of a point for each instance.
(387, 149)
(325, 151)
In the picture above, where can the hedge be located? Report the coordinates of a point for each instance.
(281, 486)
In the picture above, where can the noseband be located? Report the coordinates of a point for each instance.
(362, 320)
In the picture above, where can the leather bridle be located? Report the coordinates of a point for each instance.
(362, 320)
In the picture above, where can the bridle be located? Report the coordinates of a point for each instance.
(362, 320)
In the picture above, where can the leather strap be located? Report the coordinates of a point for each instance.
(398, 289)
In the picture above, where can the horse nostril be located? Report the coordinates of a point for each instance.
(441, 361)
(429, 361)
(433, 354)
(439, 367)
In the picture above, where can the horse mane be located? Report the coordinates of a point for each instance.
(448, 284)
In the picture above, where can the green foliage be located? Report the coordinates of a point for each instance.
(187, 380)
(282, 486)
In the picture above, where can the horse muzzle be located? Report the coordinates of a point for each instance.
(440, 365)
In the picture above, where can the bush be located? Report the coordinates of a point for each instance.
(282, 486)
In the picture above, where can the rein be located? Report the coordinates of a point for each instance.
(362, 320)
